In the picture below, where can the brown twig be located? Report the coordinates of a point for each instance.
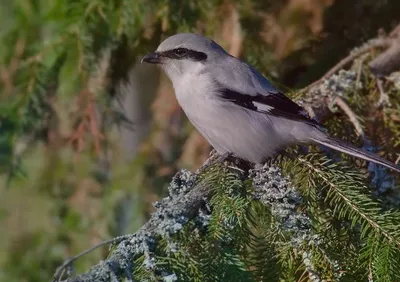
(383, 96)
(360, 69)
(376, 43)
(350, 114)
(59, 274)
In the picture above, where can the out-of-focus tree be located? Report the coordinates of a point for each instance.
(89, 138)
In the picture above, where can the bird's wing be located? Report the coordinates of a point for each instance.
(242, 85)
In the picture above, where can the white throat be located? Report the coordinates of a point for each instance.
(182, 71)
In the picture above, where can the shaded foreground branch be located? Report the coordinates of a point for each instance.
(185, 200)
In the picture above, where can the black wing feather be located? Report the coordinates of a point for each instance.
(280, 105)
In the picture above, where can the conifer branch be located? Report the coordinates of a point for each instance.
(186, 198)
(367, 47)
(354, 206)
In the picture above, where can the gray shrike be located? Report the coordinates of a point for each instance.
(234, 107)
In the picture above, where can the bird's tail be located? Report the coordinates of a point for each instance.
(344, 147)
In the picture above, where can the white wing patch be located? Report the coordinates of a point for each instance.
(262, 107)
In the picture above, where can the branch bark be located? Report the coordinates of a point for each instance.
(182, 205)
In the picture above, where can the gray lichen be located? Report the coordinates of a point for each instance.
(312, 273)
(182, 182)
(172, 213)
(170, 278)
(274, 190)
(202, 220)
(171, 220)
(340, 83)
(336, 85)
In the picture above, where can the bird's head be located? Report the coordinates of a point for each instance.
(185, 52)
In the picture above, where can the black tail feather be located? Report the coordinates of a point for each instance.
(347, 148)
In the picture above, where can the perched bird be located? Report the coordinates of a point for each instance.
(234, 107)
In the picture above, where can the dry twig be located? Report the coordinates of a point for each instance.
(376, 43)
(350, 114)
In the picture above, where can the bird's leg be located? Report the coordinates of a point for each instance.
(224, 157)
(213, 159)
(209, 162)
(213, 153)
(238, 163)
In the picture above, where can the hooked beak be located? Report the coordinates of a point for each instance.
(152, 58)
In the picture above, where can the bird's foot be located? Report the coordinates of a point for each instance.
(214, 159)
(234, 162)
(213, 153)
(224, 157)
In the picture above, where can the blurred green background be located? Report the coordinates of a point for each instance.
(89, 138)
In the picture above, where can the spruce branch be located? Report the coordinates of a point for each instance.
(359, 204)
(316, 98)
(274, 190)
(271, 188)
(186, 198)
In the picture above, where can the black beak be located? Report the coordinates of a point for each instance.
(152, 58)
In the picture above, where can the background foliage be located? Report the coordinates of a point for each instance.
(89, 138)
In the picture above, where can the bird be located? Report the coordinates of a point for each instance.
(235, 108)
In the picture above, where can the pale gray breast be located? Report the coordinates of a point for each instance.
(227, 127)
(196, 95)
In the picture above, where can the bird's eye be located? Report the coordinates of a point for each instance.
(180, 52)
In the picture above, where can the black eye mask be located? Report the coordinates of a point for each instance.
(183, 53)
